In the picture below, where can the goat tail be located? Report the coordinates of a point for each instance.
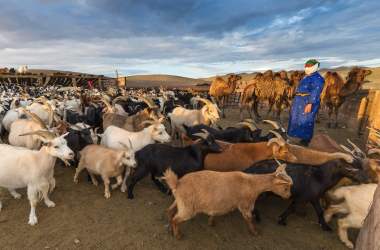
(171, 179)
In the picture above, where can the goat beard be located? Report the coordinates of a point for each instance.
(312, 69)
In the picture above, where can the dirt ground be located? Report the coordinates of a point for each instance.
(84, 219)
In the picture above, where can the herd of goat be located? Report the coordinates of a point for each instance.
(124, 135)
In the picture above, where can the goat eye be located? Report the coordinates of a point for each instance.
(160, 133)
(128, 158)
(56, 147)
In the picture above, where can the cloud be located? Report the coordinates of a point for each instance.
(189, 37)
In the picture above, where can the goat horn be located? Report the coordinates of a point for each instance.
(249, 125)
(252, 122)
(347, 149)
(278, 162)
(36, 118)
(148, 101)
(205, 101)
(356, 148)
(108, 105)
(273, 123)
(119, 98)
(205, 131)
(373, 151)
(43, 133)
(202, 135)
(276, 134)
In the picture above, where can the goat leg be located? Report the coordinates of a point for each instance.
(14, 193)
(159, 185)
(319, 211)
(211, 221)
(33, 199)
(342, 232)
(256, 213)
(286, 213)
(247, 215)
(45, 193)
(140, 173)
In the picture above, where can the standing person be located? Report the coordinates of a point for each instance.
(306, 103)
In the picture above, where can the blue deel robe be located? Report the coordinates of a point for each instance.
(301, 125)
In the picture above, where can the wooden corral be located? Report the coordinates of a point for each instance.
(56, 78)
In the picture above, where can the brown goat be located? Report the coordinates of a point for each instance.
(216, 193)
(316, 157)
(239, 156)
(132, 123)
(107, 163)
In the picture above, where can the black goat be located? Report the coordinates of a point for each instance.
(77, 140)
(156, 158)
(232, 134)
(310, 183)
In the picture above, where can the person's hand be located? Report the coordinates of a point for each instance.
(307, 109)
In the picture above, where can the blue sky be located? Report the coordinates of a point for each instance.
(189, 38)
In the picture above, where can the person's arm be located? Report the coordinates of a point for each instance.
(315, 94)
(317, 90)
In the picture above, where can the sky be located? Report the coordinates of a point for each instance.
(195, 38)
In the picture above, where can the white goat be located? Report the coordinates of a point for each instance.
(21, 167)
(149, 135)
(11, 116)
(356, 204)
(44, 111)
(113, 135)
(22, 126)
(208, 114)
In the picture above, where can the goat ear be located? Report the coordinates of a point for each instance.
(352, 169)
(64, 135)
(280, 170)
(282, 181)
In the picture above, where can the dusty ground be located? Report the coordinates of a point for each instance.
(84, 219)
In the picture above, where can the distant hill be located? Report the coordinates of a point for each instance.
(163, 80)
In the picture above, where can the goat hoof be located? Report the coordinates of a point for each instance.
(49, 204)
(282, 222)
(33, 220)
(107, 195)
(17, 196)
(255, 233)
(76, 181)
(326, 228)
(178, 236)
(123, 189)
(349, 245)
(131, 196)
(258, 219)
